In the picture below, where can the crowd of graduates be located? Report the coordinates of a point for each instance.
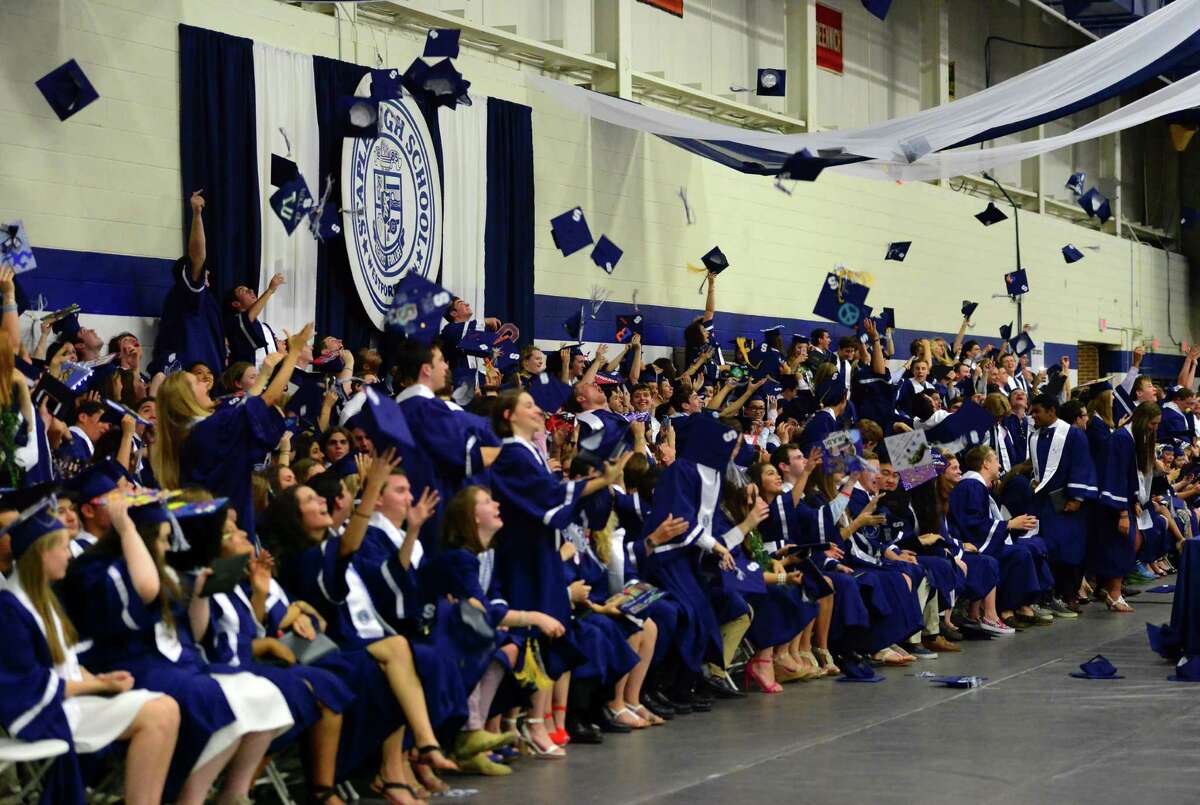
(436, 557)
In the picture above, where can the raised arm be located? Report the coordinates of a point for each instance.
(143, 570)
(877, 363)
(615, 363)
(377, 475)
(197, 250)
(710, 303)
(11, 319)
(279, 383)
(261, 302)
(1187, 373)
(737, 404)
(589, 376)
(959, 337)
(635, 366)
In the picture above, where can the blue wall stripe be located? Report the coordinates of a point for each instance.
(110, 284)
(664, 327)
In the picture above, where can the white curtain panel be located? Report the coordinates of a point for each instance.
(464, 200)
(285, 98)
(1043, 90)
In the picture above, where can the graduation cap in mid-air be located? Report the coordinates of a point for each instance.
(1016, 283)
(292, 202)
(1006, 331)
(606, 254)
(15, 251)
(441, 43)
(1095, 205)
(478, 343)
(715, 260)
(358, 116)
(991, 215)
(1076, 183)
(417, 307)
(771, 82)
(842, 300)
(968, 308)
(628, 325)
(898, 251)
(441, 83)
(1071, 254)
(575, 324)
(1022, 344)
(570, 231)
(67, 89)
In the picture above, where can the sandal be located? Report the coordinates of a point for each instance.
(321, 794)
(559, 734)
(760, 682)
(425, 755)
(645, 714)
(554, 752)
(1119, 605)
(890, 657)
(809, 665)
(385, 788)
(826, 663)
(616, 715)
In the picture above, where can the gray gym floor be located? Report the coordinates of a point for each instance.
(1032, 734)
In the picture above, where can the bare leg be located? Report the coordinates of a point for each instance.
(151, 739)
(244, 766)
(633, 688)
(540, 703)
(824, 622)
(195, 789)
(323, 739)
(395, 656)
(557, 712)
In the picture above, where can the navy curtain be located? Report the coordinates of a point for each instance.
(339, 311)
(508, 259)
(218, 152)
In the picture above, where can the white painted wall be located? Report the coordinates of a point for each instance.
(108, 180)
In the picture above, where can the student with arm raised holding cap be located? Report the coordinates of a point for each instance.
(190, 329)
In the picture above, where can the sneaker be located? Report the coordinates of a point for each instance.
(920, 652)
(996, 628)
(1059, 609)
(1043, 614)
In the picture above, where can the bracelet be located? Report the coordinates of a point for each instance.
(9, 307)
(781, 578)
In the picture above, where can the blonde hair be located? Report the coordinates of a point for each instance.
(177, 407)
(32, 574)
(8, 370)
(1102, 404)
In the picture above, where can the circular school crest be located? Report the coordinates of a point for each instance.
(392, 205)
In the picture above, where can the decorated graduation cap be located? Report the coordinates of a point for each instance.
(67, 326)
(548, 392)
(15, 251)
(991, 214)
(709, 442)
(898, 251)
(292, 202)
(570, 231)
(67, 89)
(441, 43)
(606, 254)
(628, 325)
(478, 342)
(968, 308)
(1095, 205)
(1016, 282)
(772, 82)
(715, 260)
(1076, 183)
(417, 307)
(1071, 254)
(842, 300)
(383, 421)
(202, 526)
(506, 358)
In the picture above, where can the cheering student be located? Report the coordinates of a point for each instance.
(85, 431)
(124, 598)
(460, 319)
(1124, 512)
(700, 338)
(250, 338)
(48, 693)
(190, 329)
(219, 449)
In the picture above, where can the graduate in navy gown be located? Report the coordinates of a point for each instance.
(219, 450)
(1176, 428)
(534, 504)
(977, 519)
(48, 694)
(448, 449)
(1019, 425)
(1123, 509)
(910, 387)
(190, 328)
(123, 597)
(1065, 481)
(832, 399)
(251, 339)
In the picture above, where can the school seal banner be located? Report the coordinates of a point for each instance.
(392, 205)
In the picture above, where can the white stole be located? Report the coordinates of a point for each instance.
(1053, 458)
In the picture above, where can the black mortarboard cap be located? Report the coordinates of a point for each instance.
(968, 308)
(574, 325)
(61, 400)
(898, 251)
(628, 325)
(771, 82)
(570, 231)
(1071, 254)
(715, 261)
(991, 215)
(441, 43)
(442, 84)
(1006, 331)
(887, 319)
(283, 170)
(1022, 344)
(67, 89)
(606, 254)
(1016, 283)
(359, 117)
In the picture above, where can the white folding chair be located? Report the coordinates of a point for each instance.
(31, 760)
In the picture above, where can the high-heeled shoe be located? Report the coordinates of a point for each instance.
(553, 752)
(810, 666)
(559, 734)
(825, 660)
(760, 682)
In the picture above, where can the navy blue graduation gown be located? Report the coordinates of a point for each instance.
(1112, 554)
(1019, 428)
(190, 328)
(534, 504)
(129, 634)
(246, 337)
(983, 571)
(900, 532)
(222, 449)
(905, 392)
(1098, 433)
(978, 520)
(874, 397)
(31, 708)
(1073, 477)
(1174, 428)
(823, 423)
